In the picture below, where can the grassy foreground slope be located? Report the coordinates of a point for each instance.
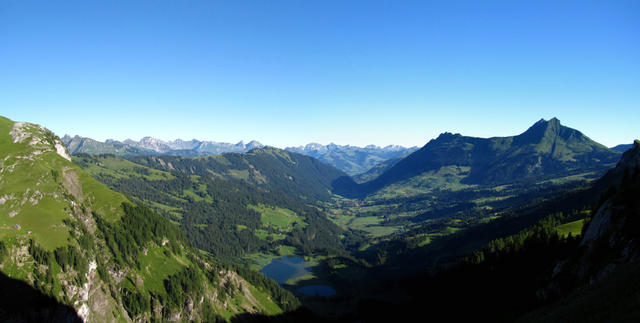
(70, 237)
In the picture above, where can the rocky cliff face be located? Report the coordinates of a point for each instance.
(611, 238)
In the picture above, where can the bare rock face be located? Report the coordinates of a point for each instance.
(615, 224)
(40, 138)
(600, 224)
(62, 150)
(610, 241)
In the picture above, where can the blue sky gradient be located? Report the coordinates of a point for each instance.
(292, 72)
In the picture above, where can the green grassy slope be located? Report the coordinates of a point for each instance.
(74, 239)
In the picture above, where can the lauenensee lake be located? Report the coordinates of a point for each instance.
(290, 267)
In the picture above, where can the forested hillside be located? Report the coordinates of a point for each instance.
(270, 168)
(498, 241)
(78, 243)
(578, 265)
(222, 207)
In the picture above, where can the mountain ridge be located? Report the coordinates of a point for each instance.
(545, 149)
(153, 146)
(350, 159)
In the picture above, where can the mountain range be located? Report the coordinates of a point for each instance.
(351, 159)
(520, 222)
(546, 150)
(154, 146)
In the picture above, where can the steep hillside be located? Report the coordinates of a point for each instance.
(270, 168)
(225, 211)
(599, 282)
(610, 234)
(546, 150)
(542, 271)
(73, 239)
(351, 159)
(378, 169)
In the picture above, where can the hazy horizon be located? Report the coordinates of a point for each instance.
(246, 141)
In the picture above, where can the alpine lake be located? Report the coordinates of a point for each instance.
(289, 268)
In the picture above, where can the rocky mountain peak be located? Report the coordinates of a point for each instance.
(254, 144)
(446, 136)
(153, 144)
(538, 131)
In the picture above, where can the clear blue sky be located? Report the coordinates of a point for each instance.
(292, 72)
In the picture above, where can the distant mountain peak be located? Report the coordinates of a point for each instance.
(351, 159)
(554, 123)
(544, 150)
(544, 130)
(312, 146)
(553, 120)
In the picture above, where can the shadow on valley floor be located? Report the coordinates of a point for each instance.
(20, 302)
(302, 314)
(367, 311)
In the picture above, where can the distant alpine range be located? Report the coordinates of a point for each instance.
(154, 146)
(547, 144)
(350, 159)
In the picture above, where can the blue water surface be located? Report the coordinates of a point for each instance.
(285, 268)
